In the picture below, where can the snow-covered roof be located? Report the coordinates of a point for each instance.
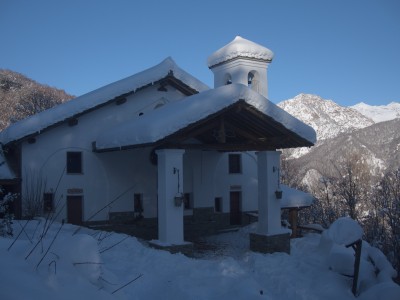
(170, 118)
(5, 172)
(240, 47)
(292, 198)
(62, 112)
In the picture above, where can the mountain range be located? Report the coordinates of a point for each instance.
(326, 117)
(379, 113)
(371, 131)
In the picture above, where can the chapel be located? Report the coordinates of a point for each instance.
(163, 154)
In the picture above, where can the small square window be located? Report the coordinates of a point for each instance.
(235, 163)
(48, 203)
(187, 201)
(218, 204)
(74, 162)
(138, 203)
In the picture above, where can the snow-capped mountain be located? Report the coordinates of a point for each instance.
(379, 113)
(341, 130)
(326, 117)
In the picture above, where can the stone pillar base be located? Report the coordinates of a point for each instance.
(270, 243)
(186, 248)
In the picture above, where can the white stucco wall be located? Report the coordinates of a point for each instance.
(201, 168)
(105, 175)
(244, 182)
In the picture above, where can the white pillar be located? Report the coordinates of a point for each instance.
(269, 209)
(170, 216)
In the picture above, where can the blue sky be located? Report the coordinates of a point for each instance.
(344, 50)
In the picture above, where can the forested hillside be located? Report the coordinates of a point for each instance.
(21, 97)
(355, 172)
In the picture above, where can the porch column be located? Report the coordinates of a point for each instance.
(293, 221)
(269, 209)
(270, 237)
(170, 216)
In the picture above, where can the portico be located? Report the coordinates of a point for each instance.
(228, 119)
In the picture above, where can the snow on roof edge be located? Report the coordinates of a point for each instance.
(239, 47)
(90, 100)
(168, 119)
(293, 198)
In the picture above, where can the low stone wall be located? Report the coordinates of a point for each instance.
(270, 243)
(142, 228)
(249, 217)
(123, 217)
(186, 249)
(204, 221)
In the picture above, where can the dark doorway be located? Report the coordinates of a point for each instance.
(235, 208)
(74, 210)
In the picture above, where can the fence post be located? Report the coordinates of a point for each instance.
(357, 249)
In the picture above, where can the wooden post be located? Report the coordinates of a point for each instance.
(293, 221)
(357, 249)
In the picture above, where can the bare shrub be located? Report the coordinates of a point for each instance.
(32, 197)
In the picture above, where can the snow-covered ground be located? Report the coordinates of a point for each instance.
(96, 265)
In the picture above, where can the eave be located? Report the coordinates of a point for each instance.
(238, 58)
(238, 127)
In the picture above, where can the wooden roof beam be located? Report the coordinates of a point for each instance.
(227, 147)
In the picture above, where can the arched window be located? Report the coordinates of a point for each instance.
(252, 80)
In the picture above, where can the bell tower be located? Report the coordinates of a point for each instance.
(241, 61)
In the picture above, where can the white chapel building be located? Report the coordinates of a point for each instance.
(160, 147)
